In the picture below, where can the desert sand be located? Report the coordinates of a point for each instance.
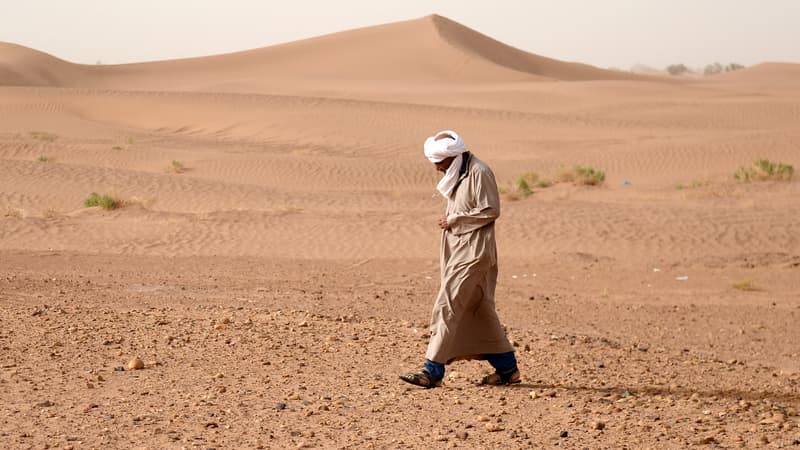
(274, 260)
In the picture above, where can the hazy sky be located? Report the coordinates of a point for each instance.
(605, 33)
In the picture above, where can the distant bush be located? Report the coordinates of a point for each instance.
(764, 170)
(677, 69)
(713, 69)
(43, 158)
(104, 201)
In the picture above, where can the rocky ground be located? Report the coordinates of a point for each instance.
(242, 353)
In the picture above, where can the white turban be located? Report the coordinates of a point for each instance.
(437, 151)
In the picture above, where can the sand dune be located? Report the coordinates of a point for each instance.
(431, 49)
(765, 73)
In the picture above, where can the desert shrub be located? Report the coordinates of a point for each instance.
(582, 175)
(764, 170)
(176, 167)
(43, 136)
(104, 201)
(733, 66)
(589, 176)
(743, 285)
(43, 158)
(116, 147)
(523, 187)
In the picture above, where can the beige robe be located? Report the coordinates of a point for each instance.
(464, 324)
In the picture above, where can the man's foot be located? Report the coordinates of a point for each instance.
(511, 376)
(422, 378)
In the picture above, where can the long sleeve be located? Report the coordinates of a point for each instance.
(485, 204)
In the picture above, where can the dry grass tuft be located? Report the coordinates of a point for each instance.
(176, 167)
(764, 170)
(744, 285)
(43, 136)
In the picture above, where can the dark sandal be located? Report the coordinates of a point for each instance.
(511, 376)
(421, 378)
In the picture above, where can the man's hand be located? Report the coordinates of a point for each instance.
(443, 223)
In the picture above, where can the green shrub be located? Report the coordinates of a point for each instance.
(523, 187)
(43, 158)
(589, 176)
(104, 201)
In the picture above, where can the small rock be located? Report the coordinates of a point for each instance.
(707, 440)
(119, 369)
(135, 364)
(45, 404)
(219, 375)
(462, 435)
(534, 394)
(483, 419)
(100, 378)
(598, 425)
(303, 324)
(280, 406)
(293, 396)
(564, 434)
(493, 427)
(221, 389)
(226, 320)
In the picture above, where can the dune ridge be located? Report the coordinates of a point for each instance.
(430, 49)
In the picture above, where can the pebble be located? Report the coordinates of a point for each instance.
(483, 419)
(462, 435)
(492, 427)
(707, 440)
(280, 406)
(135, 364)
(564, 434)
(598, 425)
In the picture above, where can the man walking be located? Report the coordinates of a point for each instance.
(464, 324)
